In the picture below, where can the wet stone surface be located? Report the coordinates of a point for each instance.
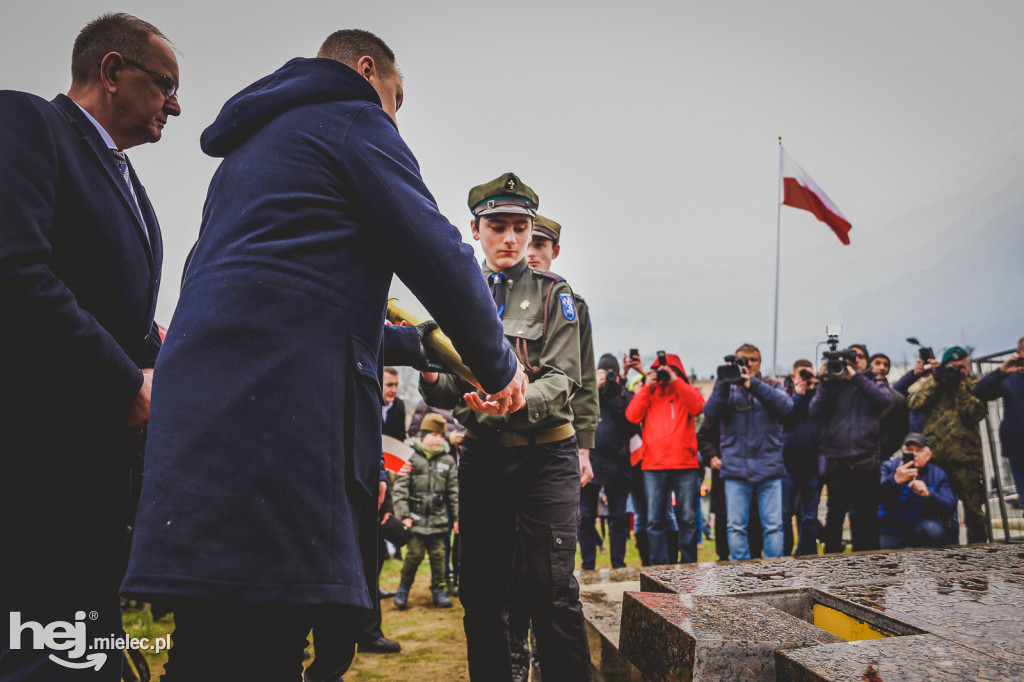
(959, 609)
(608, 575)
(684, 637)
(917, 657)
(602, 606)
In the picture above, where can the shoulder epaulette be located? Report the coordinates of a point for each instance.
(547, 274)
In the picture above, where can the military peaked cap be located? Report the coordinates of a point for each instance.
(504, 194)
(545, 227)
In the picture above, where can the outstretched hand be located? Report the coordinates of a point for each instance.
(512, 398)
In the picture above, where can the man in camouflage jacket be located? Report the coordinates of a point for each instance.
(953, 413)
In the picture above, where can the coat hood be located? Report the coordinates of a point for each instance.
(299, 82)
(675, 363)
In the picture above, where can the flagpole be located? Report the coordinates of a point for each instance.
(778, 246)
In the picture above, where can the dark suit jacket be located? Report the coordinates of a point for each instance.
(394, 425)
(78, 287)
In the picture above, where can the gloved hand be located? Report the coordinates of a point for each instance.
(426, 363)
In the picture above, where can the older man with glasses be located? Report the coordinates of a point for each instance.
(80, 265)
(849, 408)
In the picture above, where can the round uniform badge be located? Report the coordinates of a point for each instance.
(568, 306)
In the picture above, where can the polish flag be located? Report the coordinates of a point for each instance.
(799, 191)
(396, 454)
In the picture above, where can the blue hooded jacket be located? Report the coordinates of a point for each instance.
(1010, 388)
(750, 423)
(264, 447)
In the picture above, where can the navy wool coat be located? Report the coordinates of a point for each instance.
(262, 465)
(78, 284)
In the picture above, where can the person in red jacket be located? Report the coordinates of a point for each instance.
(667, 405)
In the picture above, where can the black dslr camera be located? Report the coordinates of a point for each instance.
(948, 376)
(836, 360)
(732, 371)
(662, 374)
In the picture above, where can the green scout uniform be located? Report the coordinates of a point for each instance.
(519, 478)
(426, 496)
(586, 411)
(952, 425)
(586, 408)
(551, 358)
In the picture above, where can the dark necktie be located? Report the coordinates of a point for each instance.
(122, 166)
(498, 290)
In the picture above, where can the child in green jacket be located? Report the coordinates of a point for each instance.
(423, 500)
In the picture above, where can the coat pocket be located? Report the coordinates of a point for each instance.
(363, 412)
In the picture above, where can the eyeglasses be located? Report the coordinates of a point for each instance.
(166, 83)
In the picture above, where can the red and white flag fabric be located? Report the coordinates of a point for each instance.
(396, 454)
(799, 191)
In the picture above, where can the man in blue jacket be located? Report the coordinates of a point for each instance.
(849, 406)
(915, 498)
(263, 466)
(1007, 383)
(749, 415)
(80, 260)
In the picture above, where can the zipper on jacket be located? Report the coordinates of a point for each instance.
(430, 488)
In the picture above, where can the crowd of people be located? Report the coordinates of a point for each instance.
(263, 491)
(896, 458)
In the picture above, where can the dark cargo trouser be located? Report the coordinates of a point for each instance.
(518, 508)
(432, 545)
(968, 483)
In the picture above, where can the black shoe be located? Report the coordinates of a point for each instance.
(385, 594)
(381, 645)
(402, 597)
(441, 600)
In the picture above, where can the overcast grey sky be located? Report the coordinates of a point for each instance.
(649, 130)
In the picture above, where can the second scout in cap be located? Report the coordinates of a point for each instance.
(547, 228)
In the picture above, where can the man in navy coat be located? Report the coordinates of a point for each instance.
(259, 500)
(80, 257)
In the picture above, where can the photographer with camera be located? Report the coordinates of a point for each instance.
(848, 406)
(916, 498)
(1007, 383)
(922, 369)
(801, 486)
(612, 471)
(951, 422)
(749, 410)
(668, 406)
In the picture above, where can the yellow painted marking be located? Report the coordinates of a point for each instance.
(844, 625)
